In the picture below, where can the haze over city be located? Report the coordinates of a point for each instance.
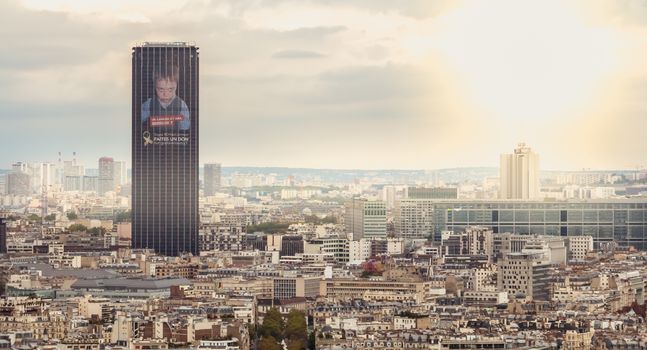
(323, 175)
(339, 84)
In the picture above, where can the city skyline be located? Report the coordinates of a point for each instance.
(323, 174)
(372, 81)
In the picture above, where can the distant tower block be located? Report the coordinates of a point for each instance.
(211, 178)
(519, 174)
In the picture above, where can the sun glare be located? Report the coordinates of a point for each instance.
(540, 64)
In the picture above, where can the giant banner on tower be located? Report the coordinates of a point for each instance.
(166, 98)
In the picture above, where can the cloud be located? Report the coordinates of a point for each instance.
(362, 84)
(625, 12)
(418, 9)
(309, 33)
(325, 83)
(297, 54)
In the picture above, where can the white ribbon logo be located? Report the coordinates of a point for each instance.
(147, 138)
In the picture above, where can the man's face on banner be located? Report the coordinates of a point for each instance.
(165, 90)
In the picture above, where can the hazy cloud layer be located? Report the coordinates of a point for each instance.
(336, 83)
(297, 54)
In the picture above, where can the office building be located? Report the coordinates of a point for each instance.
(90, 184)
(414, 219)
(358, 251)
(18, 183)
(391, 194)
(340, 248)
(579, 247)
(622, 220)
(552, 249)
(296, 287)
(506, 242)
(432, 192)
(72, 168)
(73, 183)
(211, 178)
(106, 175)
(479, 241)
(165, 147)
(519, 174)
(524, 275)
(473, 241)
(376, 289)
(291, 245)
(365, 219)
(20, 167)
(557, 249)
(120, 173)
(48, 174)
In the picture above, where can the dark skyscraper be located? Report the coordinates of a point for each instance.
(211, 178)
(3, 236)
(165, 148)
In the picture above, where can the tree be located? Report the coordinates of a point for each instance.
(96, 231)
(314, 219)
(312, 341)
(296, 345)
(124, 216)
(269, 343)
(33, 218)
(77, 228)
(329, 220)
(269, 227)
(296, 327)
(409, 314)
(3, 281)
(273, 324)
(372, 268)
(50, 217)
(72, 215)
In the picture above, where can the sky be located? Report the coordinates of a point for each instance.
(372, 84)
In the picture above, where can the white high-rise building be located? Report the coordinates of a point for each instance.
(579, 246)
(519, 174)
(48, 174)
(106, 175)
(121, 172)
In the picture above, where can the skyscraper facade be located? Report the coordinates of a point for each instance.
(3, 236)
(519, 174)
(365, 219)
(120, 173)
(524, 274)
(106, 175)
(621, 220)
(18, 183)
(211, 178)
(165, 147)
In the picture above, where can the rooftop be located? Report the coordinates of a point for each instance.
(130, 283)
(167, 44)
